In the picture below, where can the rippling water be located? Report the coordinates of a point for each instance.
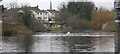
(49, 42)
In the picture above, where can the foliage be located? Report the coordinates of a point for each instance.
(83, 9)
(12, 5)
(79, 24)
(55, 29)
(101, 16)
(31, 22)
(27, 17)
(13, 24)
(77, 15)
(109, 26)
(37, 25)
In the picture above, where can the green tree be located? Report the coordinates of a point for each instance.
(27, 17)
(31, 22)
(79, 24)
(83, 9)
(77, 15)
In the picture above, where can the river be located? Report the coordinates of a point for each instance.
(58, 42)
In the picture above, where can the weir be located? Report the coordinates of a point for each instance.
(77, 34)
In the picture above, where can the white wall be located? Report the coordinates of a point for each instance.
(41, 15)
(48, 15)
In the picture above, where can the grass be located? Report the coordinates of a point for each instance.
(55, 29)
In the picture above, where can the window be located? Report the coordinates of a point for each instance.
(55, 13)
(117, 12)
(52, 13)
(40, 13)
(45, 18)
(117, 18)
(37, 13)
(39, 18)
(45, 13)
(117, 4)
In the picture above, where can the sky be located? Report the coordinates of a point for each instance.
(44, 4)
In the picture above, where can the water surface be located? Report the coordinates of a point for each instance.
(58, 42)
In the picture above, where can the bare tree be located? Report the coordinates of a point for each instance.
(24, 5)
(13, 5)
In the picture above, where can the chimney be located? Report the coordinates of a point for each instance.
(37, 6)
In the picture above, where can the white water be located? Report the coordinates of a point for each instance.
(74, 34)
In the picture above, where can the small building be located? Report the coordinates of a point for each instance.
(117, 10)
(45, 16)
(117, 20)
(41, 15)
(52, 14)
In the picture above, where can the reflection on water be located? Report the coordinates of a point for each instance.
(21, 43)
(32, 43)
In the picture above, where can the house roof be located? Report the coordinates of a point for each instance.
(37, 10)
(53, 11)
(8, 11)
(33, 8)
(20, 11)
(40, 11)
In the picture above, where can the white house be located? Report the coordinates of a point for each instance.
(41, 15)
(46, 16)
